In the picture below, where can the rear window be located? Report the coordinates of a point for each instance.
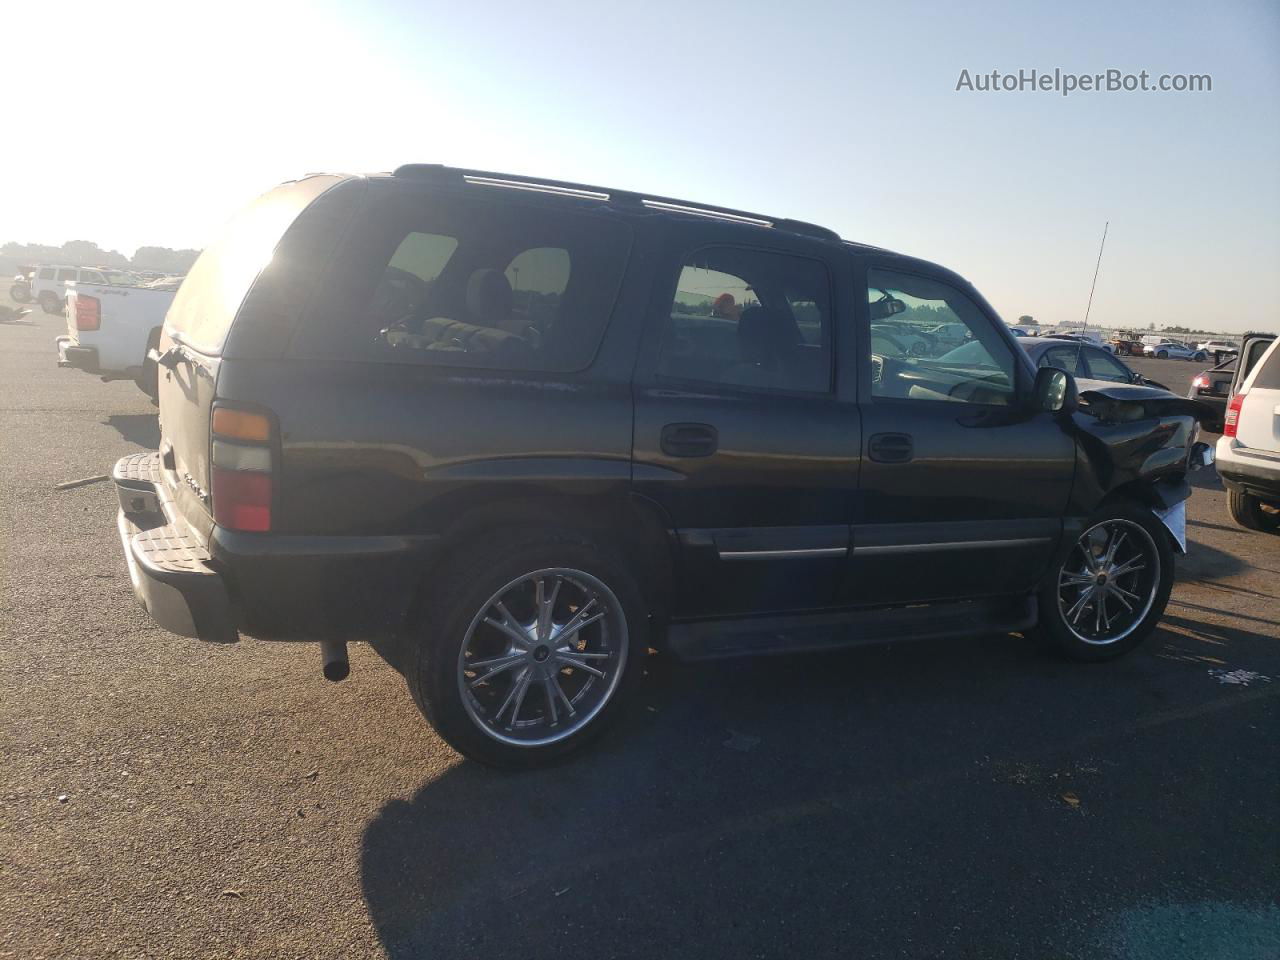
(446, 280)
(212, 292)
(1268, 375)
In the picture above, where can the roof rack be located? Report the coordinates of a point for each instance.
(441, 173)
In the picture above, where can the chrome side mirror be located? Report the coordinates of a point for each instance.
(1055, 391)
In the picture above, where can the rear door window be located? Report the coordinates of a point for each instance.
(64, 275)
(46, 273)
(1103, 366)
(1065, 358)
(448, 280)
(212, 292)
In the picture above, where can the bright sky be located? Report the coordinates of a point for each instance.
(150, 123)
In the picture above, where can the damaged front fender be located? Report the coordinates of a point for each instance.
(1136, 441)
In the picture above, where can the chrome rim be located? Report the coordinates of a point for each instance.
(542, 657)
(1108, 582)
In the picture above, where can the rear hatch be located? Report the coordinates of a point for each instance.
(1258, 426)
(192, 344)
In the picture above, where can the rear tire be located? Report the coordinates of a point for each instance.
(1162, 355)
(572, 688)
(20, 293)
(1123, 561)
(1200, 357)
(50, 302)
(1246, 510)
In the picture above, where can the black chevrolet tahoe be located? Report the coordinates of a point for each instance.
(532, 429)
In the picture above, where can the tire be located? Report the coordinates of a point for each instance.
(20, 293)
(50, 302)
(1246, 510)
(562, 706)
(1162, 355)
(1071, 619)
(1200, 357)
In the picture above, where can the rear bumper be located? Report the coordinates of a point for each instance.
(170, 570)
(1250, 471)
(270, 586)
(71, 354)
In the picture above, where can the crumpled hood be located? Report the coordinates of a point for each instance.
(1132, 432)
(1129, 402)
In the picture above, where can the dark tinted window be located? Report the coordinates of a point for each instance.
(212, 292)
(46, 273)
(1103, 366)
(1064, 358)
(469, 281)
(750, 318)
(66, 274)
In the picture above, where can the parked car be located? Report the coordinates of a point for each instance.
(1126, 347)
(1218, 346)
(1083, 361)
(1090, 338)
(1174, 350)
(1213, 387)
(20, 291)
(49, 287)
(1248, 452)
(442, 409)
(111, 329)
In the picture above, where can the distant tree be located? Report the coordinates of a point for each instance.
(1151, 326)
(164, 259)
(1175, 330)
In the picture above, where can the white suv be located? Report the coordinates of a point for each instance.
(1248, 453)
(49, 286)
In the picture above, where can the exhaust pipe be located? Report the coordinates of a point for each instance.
(333, 654)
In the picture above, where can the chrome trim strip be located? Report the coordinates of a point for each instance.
(950, 545)
(776, 554)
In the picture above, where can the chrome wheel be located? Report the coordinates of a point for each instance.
(542, 657)
(1108, 582)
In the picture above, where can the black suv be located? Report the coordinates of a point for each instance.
(533, 429)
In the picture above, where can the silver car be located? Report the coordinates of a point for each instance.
(1174, 350)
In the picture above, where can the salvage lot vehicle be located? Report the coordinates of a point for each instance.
(1174, 350)
(505, 418)
(111, 329)
(1213, 387)
(1083, 360)
(49, 285)
(1248, 451)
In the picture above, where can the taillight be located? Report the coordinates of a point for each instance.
(88, 313)
(1232, 419)
(1201, 382)
(241, 469)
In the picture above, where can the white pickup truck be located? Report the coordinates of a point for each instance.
(110, 330)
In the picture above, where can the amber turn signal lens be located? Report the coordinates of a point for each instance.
(241, 425)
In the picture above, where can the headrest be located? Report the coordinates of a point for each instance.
(489, 297)
(764, 337)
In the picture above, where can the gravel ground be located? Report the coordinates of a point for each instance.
(972, 798)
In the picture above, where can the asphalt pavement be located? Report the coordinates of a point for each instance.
(965, 798)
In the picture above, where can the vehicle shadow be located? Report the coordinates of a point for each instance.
(757, 762)
(142, 429)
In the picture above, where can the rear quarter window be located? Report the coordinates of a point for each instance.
(456, 280)
(211, 295)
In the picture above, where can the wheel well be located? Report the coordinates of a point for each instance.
(632, 527)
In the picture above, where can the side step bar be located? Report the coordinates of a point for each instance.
(716, 639)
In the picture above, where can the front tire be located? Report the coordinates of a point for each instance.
(1162, 355)
(1200, 357)
(1246, 510)
(530, 650)
(1111, 588)
(50, 302)
(20, 293)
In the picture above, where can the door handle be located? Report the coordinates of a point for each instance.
(689, 439)
(890, 447)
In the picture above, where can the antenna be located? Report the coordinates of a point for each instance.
(1096, 267)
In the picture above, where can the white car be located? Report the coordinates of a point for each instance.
(1248, 452)
(1218, 346)
(1174, 350)
(111, 329)
(49, 286)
